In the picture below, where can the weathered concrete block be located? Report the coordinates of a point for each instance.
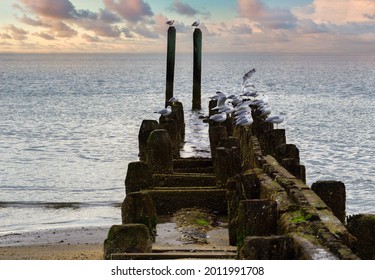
(267, 248)
(334, 195)
(256, 217)
(227, 164)
(273, 139)
(131, 238)
(160, 152)
(145, 130)
(169, 201)
(170, 126)
(362, 226)
(216, 133)
(139, 208)
(138, 177)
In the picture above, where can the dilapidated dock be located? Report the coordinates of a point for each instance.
(253, 179)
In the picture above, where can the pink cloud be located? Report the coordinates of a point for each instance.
(273, 18)
(131, 10)
(61, 9)
(17, 33)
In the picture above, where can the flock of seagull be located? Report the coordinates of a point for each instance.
(242, 107)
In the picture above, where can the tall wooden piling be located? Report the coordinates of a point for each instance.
(171, 54)
(197, 40)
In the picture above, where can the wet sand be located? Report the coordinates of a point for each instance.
(85, 243)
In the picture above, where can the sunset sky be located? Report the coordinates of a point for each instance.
(339, 26)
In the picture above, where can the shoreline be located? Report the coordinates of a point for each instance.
(82, 243)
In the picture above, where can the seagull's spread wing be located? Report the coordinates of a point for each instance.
(248, 75)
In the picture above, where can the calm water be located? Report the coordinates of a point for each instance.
(69, 125)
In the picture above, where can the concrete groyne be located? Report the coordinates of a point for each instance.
(254, 178)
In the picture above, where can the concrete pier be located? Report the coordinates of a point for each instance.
(255, 180)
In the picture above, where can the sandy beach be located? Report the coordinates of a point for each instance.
(85, 243)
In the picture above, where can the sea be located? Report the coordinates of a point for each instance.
(69, 125)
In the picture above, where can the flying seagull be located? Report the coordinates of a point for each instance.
(170, 22)
(196, 23)
(247, 76)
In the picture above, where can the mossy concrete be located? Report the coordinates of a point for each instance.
(131, 238)
(184, 180)
(362, 226)
(267, 248)
(169, 201)
(139, 208)
(138, 177)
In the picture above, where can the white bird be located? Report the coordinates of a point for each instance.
(247, 76)
(275, 119)
(173, 99)
(219, 118)
(170, 22)
(165, 112)
(196, 23)
(227, 108)
(245, 121)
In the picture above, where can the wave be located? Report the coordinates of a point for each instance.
(57, 205)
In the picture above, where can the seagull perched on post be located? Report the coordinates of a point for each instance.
(165, 112)
(170, 22)
(196, 23)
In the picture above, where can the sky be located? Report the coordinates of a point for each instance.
(139, 26)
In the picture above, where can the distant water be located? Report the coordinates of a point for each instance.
(69, 125)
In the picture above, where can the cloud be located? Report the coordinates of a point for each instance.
(183, 9)
(17, 33)
(44, 36)
(131, 10)
(241, 29)
(61, 9)
(90, 39)
(339, 12)
(5, 36)
(108, 17)
(266, 17)
(61, 29)
(101, 28)
(34, 22)
(371, 17)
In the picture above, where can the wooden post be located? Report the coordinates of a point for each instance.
(197, 38)
(171, 52)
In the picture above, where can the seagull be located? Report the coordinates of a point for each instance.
(170, 22)
(165, 112)
(196, 23)
(245, 121)
(275, 119)
(248, 75)
(173, 99)
(219, 118)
